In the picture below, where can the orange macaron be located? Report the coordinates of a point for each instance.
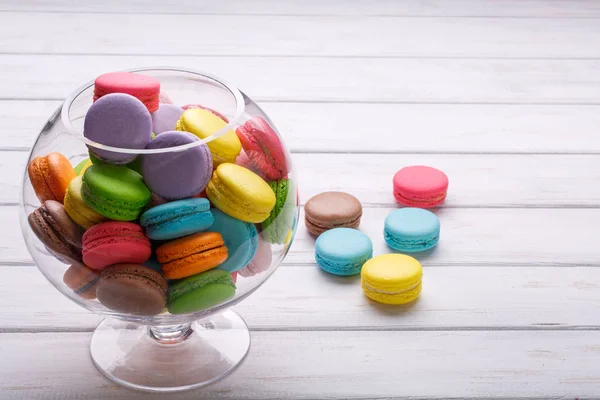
(191, 255)
(50, 176)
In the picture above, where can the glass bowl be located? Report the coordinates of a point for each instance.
(164, 352)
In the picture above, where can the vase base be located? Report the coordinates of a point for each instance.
(170, 359)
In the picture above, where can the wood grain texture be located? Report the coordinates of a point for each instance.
(304, 298)
(414, 8)
(475, 180)
(357, 128)
(327, 365)
(356, 36)
(469, 237)
(331, 79)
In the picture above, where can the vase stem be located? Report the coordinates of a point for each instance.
(170, 334)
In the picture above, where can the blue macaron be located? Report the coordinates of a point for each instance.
(177, 219)
(411, 230)
(241, 240)
(343, 251)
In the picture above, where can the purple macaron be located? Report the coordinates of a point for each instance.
(118, 120)
(177, 174)
(165, 118)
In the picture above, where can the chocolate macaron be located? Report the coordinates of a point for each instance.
(133, 289)
(82, 280)
(61, 236)
(330, 210)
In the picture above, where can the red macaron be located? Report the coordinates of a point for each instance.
(144, 88)
(263, 147)
(115, 242)
(420, 186)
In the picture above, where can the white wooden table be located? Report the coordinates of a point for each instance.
(502, 95)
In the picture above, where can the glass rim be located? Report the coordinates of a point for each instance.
(235, 92)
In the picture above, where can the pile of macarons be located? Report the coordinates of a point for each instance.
(341, 249)
(166, 231)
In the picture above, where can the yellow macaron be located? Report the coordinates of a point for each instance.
(76, 207)
(203, 124)
(240, 193)
(392, 278)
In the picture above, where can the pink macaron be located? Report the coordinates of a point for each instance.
(420, 186)
(145, 88)
(115, 242)
(263, 147)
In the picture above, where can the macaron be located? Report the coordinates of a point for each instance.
(191, 255)
(50, 175)
(200, 292)
(261, 261)
(240, 193)
(177, 174)
(177, 219)
(114, 191)
(132, 289)
(115, 242)
(218, 114)
(343, 251)
(117, 120)
(143, 87)
(264, 148)
(330, 210)
(241, 240)
(392, 279)
(51, 224)
(420, 186)
(411, 229)
(77, 208)
(165, 118)
(204, 124)
(82, 280)
(82, 166)
(277, 225)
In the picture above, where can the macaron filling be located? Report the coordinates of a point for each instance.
(341, 268)
(391, 292)
(403, 244)
(419, 199)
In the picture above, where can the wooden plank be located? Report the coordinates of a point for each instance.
(321, 36)
(327, 365)
(476, 180)
(332, 79)
(327, 127)
(470, 236)
(304, 298)
(438, 8)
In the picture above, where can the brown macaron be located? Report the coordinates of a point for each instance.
(82, 280)
(56, 230)
(132, 289)
(330, 210)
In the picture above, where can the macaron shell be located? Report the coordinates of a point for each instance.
(392, 273)
(59, 247)
(240, 193)
(177, 175)
(330, 210)
(264, 148)
(241, 239)
(76, 207)
(420, 186)
(218, 114)
(343, 251)
(117, 120)
(200, 292)
(195, 263)
(132, 289)
(203, 124)
(394, 299)
(261, 261)
(55, 215)
(165, 118)
(115, 192)
(181, 226)
(82, 280)
(143, 87)
(114, 243)
(50, 176)
(411, 229)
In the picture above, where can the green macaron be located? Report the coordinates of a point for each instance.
(135, 165)
(200, 292)
(114, 191)
(279, 222)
